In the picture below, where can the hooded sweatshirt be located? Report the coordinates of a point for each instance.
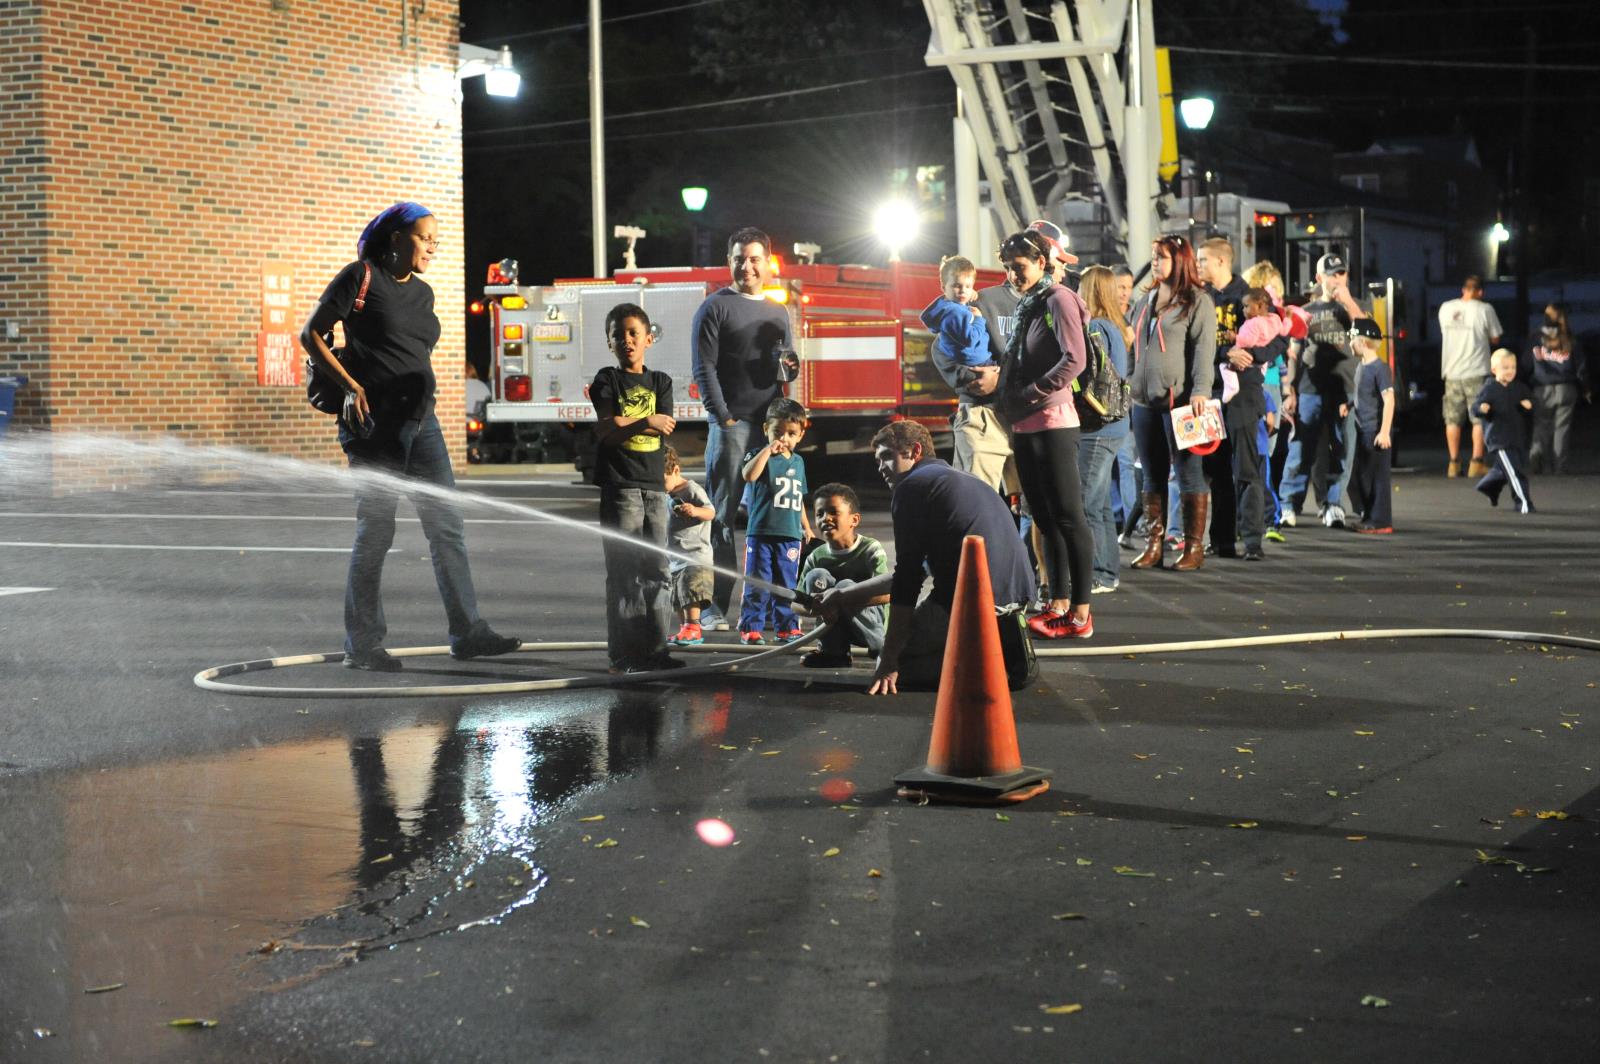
(1173, 352)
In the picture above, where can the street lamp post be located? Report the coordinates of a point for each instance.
(597, 142)
(1196, 112)
(694, 201)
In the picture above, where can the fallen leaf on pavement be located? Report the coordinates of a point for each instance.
(1069, 916)
(605, 844)
(1061, 1010)
(104, 989)
(1492, 859)
(1360, 732)
(1084, 862)
(381, 860)
(1143, 757)
(1245, 824)
(1374, 1001)
(636, 922)
(873, 873)
(191, 1022)
(591, 819)
(1355, 838)
(831, 851)
(1129, 870)
(1002, 817)
(1244, 750)
(771, 753)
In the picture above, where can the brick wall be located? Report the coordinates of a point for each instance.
(162, 153)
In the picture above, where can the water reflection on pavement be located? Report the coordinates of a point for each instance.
(193, 881)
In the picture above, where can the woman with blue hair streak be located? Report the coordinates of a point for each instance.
(388, 426)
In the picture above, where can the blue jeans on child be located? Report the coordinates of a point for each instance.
(863, 629)
(638, 593)
(418, 453)
(777, 561)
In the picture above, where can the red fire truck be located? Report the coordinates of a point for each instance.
(864, 353)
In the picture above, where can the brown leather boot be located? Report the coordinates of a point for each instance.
(1195, 507)
(1155, 544)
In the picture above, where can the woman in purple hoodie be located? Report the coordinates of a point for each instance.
(1046, 352)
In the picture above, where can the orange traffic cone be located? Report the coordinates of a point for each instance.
(973, 755)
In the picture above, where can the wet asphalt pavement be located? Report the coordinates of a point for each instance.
(1365, 850)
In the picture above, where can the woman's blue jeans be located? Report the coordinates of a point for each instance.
(1158, 452)
(1096, 452)
(418, 453)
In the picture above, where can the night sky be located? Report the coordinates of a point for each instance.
(813, 166)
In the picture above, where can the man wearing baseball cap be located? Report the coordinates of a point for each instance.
(1323, 400)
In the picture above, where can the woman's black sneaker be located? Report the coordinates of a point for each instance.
(375, 660)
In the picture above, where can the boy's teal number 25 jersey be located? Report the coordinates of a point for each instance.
(778, 499)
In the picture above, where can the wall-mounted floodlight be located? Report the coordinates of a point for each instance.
(1498, 233)
(1197, 112)
(694, 198)
(500, 77)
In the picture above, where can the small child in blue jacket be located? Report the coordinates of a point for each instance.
(958, 330)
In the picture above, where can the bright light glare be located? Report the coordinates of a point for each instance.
(1197, 112)
(896, 224)
(1499, 234)
(502, 81)
(694, 198)
(714, 832)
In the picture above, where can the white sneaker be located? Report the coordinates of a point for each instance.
(1104, 589)
(1333, 517)
(711, 620)
(1287, 520)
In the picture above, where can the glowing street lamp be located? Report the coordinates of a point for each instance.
(1197, 112)
(500, 77)
(694, 198)
(896, 224)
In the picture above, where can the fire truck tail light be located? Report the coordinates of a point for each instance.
(518, 389)
(513, 302)
(474, 425)
(1401, 335)
(511, 332)
(777, 295)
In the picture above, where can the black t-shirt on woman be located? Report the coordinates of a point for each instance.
(389, 341)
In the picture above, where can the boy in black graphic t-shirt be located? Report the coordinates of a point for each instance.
(632, 406)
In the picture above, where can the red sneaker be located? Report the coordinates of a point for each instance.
(1368, 530)
(751, 639)
(1061, 626)
(689, 635)
(790, 636)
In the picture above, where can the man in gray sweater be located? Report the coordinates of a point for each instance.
(735, 337)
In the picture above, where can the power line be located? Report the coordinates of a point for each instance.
(1374, 60)
(737, 100)
(569, 27)
(528, 145)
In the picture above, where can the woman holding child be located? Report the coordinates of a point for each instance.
(1174, 345)
(1046, 352)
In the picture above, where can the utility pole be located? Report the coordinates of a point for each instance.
(1524, 198)
(597, 141)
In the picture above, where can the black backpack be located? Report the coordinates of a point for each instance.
(324, 391)
(1102, 396)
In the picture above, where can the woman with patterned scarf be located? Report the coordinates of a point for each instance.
(1046, 353)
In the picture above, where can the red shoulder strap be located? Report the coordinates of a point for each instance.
(366, 281)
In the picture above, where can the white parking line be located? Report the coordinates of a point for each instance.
(163, 546)
(46, 514)
(23, 590)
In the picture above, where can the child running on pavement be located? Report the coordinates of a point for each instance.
(777, 524)
(1369, 482)
(632, 409)
(957, 325)
(843, 559)
(1501, 404)
(688, 533)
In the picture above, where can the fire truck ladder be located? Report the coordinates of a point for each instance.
(1055, 98)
